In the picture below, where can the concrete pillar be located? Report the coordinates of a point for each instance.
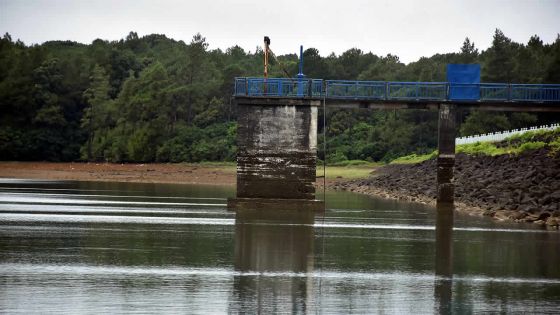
(276, 153)
(446, 155)
(444, 219)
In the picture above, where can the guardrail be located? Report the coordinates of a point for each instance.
(278, 87)
(390, 90)
(501, 135)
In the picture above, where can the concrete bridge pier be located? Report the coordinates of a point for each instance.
(446, 154)
(444, 218)
(276, 154)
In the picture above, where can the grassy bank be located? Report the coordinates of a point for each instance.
(516, 144)
(352, 169)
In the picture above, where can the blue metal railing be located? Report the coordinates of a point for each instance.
(355, 89)
(386, 90)
(278, 87)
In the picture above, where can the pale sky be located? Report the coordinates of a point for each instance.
(407, 28)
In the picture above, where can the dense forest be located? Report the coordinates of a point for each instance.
(152, 98)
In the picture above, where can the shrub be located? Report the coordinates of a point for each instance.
(528, 146)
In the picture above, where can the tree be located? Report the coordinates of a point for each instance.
(469, 53)
(553, 69)
(387, 68)
(499, 61)
(479, 122)
(96, 114)
(153, 98)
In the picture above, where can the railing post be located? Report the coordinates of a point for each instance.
(386, 90)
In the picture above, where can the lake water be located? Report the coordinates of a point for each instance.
(78, 247)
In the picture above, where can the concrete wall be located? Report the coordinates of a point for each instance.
(277, 143)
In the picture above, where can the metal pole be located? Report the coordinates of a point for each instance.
(300, 74)
(266, 49)
(266, 44)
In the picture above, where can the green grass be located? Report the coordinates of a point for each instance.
(554, 146)
(352, 169)
(531, 135)
(345, 172)
(534, 145)
(482, 148)
(351, 163)
(413, 158)
(513, 145)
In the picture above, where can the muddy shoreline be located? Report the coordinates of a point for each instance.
(524, 188)
(141, 173)
(179, 173)
(519, 188)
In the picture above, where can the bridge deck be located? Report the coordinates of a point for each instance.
(395, 95)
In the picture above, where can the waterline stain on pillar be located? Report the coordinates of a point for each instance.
(276, 148)
(446, 154)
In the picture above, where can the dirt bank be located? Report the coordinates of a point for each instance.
(523, 188)
(144, 173)
(204, 174)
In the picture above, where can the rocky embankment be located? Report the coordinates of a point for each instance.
(523, 188)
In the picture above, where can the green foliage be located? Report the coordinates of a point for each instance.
(516, 144)
(533, 135)
(193, 144)
(499, 61)
(481, 148)
(527, 146)
(554, 146)
(513, 145)
(355, 163)
(152, 98)
(479, 122)
(414, 158)
(336, 157)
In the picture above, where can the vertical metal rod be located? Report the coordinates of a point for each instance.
(266, 42)
(325, 144)
(265, 59)
(324, 188)
(301, 60)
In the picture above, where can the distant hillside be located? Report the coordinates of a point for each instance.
(152, 98)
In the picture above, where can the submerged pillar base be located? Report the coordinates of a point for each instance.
(446, 153)
(276, 154)
(275, 204)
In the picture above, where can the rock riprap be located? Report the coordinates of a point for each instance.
(524, 187)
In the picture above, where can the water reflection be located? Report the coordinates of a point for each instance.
(279, 244)
(444, 258)
(70, 248)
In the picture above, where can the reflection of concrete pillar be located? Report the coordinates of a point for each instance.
(276, 152)
(443, 286)
(444, 240)
(280, 245)
(446, 155)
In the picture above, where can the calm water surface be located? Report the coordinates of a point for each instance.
(78, 247)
